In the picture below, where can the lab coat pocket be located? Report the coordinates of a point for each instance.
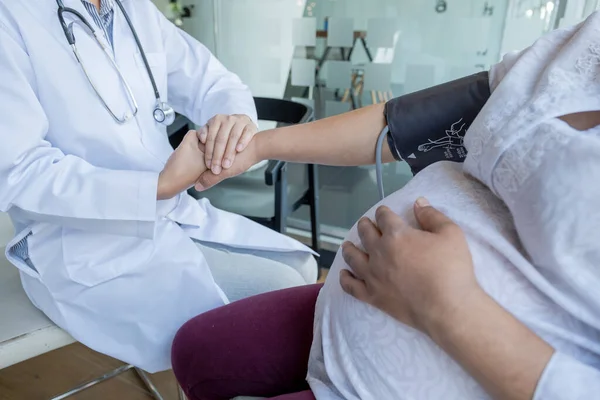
(95, 258)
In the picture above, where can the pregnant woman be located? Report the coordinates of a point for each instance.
(494, 293)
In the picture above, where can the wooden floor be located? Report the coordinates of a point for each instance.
(54, 373)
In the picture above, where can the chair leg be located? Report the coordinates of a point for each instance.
(143, 376)
(313, 200)
(148, 383)
(182, 395)
(281, 201)
(94, 382)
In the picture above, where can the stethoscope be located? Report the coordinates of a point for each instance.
(163, 113)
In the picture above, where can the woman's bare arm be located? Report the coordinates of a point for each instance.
(501, 353)
(349, 139)
(344, 140)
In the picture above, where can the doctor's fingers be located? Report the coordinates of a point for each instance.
(231, 150)
(223, 136)
(203, 134)
(218, 135)
(208, 148)
(208, 179)
(249, 131)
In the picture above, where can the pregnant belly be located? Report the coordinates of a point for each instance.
(360, 353)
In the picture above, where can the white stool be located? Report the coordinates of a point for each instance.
(25, 332)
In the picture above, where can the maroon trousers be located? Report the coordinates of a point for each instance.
(254, 347)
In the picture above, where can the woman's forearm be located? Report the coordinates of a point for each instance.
(501, 353)
(345, 140)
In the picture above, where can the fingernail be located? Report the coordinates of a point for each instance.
(226, 163)
(240, 147)
(216, 170)
(422, 202)
(208, 162)
(203, 138)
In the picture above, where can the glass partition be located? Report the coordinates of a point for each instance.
(339, 55)
(367, 52)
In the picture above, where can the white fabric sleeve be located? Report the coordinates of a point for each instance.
(555, 38)
(499, 71)
(39, 182)
(200, 87)
(568, 379)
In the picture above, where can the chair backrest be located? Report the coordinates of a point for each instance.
(282, 111)
(177, 131)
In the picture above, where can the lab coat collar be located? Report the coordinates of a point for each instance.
(51, 16)
(106, 6)
(46, 13)
(50, 19)
(76, 5)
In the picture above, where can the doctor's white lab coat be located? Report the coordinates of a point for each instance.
(111, 265)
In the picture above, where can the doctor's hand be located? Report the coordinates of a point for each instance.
(243, 162)
(183, 168)
(415, 275)
(224, 137)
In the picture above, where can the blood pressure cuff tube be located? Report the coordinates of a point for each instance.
(429, 125)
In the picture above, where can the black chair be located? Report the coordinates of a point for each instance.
(178, 129)
(269, 193)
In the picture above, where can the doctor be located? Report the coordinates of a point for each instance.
(108, 243)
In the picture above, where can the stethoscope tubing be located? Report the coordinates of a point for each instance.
(70, 36)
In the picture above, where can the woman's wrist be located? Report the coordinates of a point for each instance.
(265, 145)
(494, 347)
(444, 317)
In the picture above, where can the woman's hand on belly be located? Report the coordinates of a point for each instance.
(425, 279)
(416, 276)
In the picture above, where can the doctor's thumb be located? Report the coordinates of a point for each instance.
(207, 180)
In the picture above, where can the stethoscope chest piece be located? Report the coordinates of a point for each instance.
(164, 114)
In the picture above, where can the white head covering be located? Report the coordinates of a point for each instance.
(547, 172)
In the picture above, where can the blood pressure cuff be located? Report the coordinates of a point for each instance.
(429, 125)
